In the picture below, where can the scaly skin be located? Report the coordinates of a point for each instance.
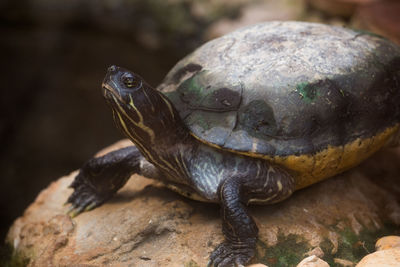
(100, 178)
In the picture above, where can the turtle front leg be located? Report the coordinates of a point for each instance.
(100, 178)
(238, 227)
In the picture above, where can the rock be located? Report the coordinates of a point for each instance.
(380, 17)
(344, 263)
(255, 12)
(382, 258)
(388, 242)
(344, 8)
(316, 252)
(148, 225)
(313, 261)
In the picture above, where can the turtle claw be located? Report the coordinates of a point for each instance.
(79, 207)
(228, 255)
(73, 212)
(100, 178)
(90, 207)
(84, 198)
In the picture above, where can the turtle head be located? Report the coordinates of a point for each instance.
(142, 113)
(121, 86)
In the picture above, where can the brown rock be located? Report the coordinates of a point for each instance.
(383, 258)
(316, 252)
(313, 261)
(344, 8)
(344, 263)
(381, 17)
(388, 242)
(255, 12)
(147, 225)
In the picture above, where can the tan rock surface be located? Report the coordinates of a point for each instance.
(344, 263)
(148, 225)
(313, 261)
(316, 252)
(388, 242)
(383, 258)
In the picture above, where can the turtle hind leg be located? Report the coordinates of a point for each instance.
(238, 227)
(100, 178)
(271, 184)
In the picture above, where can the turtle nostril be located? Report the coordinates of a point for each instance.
(112, 68)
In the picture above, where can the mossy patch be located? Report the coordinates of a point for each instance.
(354, 247)
(10, 258)
(191, 91)
(308, 92)
(291, 249)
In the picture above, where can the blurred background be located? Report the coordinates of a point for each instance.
(54, 55)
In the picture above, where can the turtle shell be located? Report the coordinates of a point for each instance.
(281, 89)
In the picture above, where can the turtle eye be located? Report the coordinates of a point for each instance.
(130, 81)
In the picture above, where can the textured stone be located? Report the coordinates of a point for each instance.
(147, 225)
(343, 262)
(316, 252)
(388, 242)
(383, 258)
(313, 261)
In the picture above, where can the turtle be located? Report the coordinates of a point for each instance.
(251, 117)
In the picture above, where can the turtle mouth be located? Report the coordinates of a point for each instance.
(109, 90)
(111, 94)
(109, 87)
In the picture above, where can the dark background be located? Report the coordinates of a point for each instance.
(54, 55)
(53, 117)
